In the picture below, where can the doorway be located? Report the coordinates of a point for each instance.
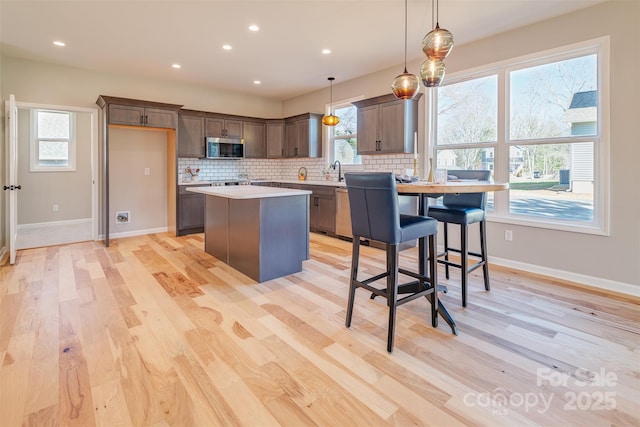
(56, 205)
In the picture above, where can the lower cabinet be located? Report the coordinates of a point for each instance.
(190, 211)
(322, 209)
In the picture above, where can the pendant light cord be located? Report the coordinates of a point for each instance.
(405, 36)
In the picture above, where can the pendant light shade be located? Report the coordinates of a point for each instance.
(331, 119)
(405, 85)
(432, 72)
(437, 44)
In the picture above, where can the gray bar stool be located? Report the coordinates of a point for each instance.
(375, 215)
(464, 209)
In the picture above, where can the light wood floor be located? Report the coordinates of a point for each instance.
(153, 331)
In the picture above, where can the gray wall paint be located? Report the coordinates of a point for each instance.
(145, 196)
(71, 191)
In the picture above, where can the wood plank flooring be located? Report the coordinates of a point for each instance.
(152, 331)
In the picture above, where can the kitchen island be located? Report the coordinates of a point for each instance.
(262, 232)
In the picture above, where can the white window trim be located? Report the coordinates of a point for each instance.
(34, 163)
(601, 221)
(328, 150)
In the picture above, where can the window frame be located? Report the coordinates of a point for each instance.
(600, 225)
(34, 146)
(331, 137)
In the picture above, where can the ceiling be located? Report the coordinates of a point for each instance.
(144, 37)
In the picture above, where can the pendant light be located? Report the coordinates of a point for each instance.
(331, 119)
(405, 85)
(437, 44)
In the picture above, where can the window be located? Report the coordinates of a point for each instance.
(52, 141)
(536, 123)
(343, 139)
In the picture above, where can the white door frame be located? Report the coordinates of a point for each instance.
(94, 112)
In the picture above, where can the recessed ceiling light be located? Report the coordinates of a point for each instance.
(254, 28)
(226, 46)
(326, 51)
(256, 82)
(59, 43)
(176, 65)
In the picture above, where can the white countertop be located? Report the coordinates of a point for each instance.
(248, 191)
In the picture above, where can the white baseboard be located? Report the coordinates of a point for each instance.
(136, 233)
(53, 233)
(579, 279)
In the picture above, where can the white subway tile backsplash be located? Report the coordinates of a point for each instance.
(211, 170)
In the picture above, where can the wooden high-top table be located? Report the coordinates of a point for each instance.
(426, 190)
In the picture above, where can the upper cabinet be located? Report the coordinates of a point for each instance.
(133, 112)
(254, 140)
(386, 124)
(303, 136)
(191, 134)
(275, 139)
(220, 126)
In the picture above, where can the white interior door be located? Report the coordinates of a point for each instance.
(12, 186)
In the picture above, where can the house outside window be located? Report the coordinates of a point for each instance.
(536, 123)
(52, 146)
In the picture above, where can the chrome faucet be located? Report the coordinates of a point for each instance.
(340, 177)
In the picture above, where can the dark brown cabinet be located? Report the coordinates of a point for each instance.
(275, 139)
(141, 116)
(219, 126)
(190, 211)
(191, 134)
(386, 124)
(254, 140)
(303, 136)
(322, 209)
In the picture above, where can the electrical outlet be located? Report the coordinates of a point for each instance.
(508, 235)
(147, 171)
(56, 208)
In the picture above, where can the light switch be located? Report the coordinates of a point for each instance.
(147, 171)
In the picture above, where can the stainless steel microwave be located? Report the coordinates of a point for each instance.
(224, 148)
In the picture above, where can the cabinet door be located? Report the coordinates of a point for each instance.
(254, 142)
(290, 139)
(190, 136)
(159, 118)
(126, 115)
(214, 127)
(368, 118)
(191, 211)
(302, 130)
(233, 128)
(391, 127)
(275, 140)
(326, 213)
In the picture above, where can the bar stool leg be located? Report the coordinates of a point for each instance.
(433, 278)
(352, 283)
(483, 252)
(446, 249)
(464, 261)
(392, 292)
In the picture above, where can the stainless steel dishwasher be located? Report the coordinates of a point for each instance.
(343, 213)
